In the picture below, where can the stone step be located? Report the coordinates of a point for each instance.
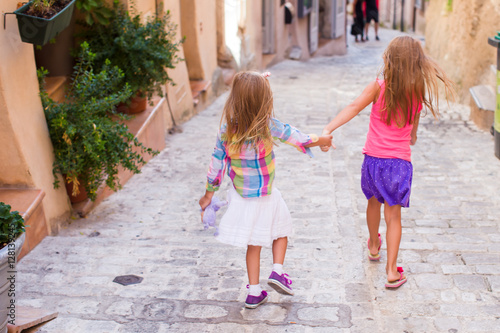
(482, 106)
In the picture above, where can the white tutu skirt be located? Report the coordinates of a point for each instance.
(254, 221)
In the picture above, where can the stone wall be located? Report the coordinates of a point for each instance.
(457, 38)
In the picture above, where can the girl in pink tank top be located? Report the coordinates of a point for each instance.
(410, 81)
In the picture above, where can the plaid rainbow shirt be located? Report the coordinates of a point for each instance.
(252, 170)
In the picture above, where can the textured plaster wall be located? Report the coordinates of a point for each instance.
(198, 24)
(458, 40)
(26, 160)
(180, 98)
(207, 29)
(13, 167)
(253, 28)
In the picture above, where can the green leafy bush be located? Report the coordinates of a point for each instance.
(11, 224)
(143, 51)
(89, 146)
(94, 11)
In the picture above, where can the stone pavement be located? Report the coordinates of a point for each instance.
(450, 247)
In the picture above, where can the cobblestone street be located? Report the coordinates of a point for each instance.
(191, 283)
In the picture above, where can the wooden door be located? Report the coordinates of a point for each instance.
(339, 18)
(268, 44)
(314, 27)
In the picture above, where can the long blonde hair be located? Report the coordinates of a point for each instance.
(411, 78)
(247, 111)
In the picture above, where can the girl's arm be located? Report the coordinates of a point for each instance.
(324, 140)
(350, 111)
(415, 129)
(291, 136)
(367, 96)
(216, 172)
(206, 200)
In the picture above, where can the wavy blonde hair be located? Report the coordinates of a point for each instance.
(411, 78)
(247, 111)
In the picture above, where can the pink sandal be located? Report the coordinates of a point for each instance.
(397, 283)
(374, 257)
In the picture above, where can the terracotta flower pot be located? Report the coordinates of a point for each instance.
(136, 104)
(81, 196)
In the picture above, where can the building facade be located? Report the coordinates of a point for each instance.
(404, 15)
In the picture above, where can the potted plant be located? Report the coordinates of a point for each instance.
(89, 145)
(143, 51)
(11, 240)
(40, 21)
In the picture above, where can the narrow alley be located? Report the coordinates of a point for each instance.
(191, 283)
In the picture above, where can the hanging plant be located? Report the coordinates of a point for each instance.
(40, 21)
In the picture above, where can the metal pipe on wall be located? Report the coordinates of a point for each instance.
(394, 16)
(402, 28)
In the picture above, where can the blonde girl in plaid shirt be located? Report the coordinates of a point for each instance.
(257, 215)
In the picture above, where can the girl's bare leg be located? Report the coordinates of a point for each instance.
(279, 250)
(253, 264)
(373, 222)
(392, 216)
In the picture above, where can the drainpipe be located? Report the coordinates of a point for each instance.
(402, 15)
(394, 16)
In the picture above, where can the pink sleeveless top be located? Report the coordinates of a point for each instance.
(385, 141)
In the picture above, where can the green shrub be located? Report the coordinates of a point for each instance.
(11, 224)
(94, 11)
(89, 146)
(142, 51)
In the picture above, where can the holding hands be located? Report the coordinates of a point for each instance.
(326, 147)
(325, 140)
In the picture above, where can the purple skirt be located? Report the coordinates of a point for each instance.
(388, 179)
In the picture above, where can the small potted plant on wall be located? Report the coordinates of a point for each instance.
(11, 240)
(89, 145)
(39, 21)
(143, 51)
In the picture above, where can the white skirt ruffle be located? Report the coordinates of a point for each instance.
(254, 221)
